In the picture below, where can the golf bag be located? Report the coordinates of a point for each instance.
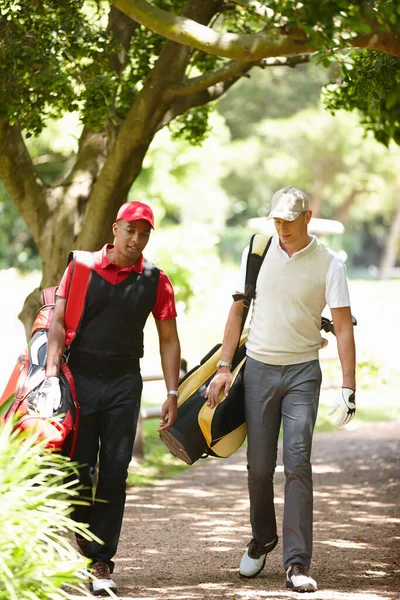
(200, 430)
(19, 400)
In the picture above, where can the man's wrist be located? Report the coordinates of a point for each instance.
(52, 370)
(52, 376)
(224, 363)
(223, 370)
(173, 393)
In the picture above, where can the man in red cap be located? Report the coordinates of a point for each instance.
(104, 359)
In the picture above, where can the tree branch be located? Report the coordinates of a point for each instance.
(383, 41)
(122, 29)
(184, 103)
(233, 69)
(243, 47)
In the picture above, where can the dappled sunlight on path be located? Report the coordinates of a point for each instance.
(183, 538)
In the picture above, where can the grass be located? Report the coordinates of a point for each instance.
(158, 462)
(365, 415)
(376, 402)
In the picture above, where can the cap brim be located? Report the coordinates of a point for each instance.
(132, 220)
(289, 216)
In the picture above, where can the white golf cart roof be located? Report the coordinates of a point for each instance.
(317, 226)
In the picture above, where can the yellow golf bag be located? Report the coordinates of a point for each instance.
(199, 430)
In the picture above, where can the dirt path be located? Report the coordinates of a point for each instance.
(183, 538)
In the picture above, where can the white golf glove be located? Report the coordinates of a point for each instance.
(346, 403)
(48, 397)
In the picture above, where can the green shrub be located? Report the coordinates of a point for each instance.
(37, 559)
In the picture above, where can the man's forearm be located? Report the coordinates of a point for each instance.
(347, 356)
(232, 331)
(170, 353)
(55, 349)
(223, 377)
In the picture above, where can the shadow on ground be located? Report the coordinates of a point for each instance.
(183, 538)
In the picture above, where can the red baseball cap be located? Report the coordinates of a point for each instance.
(136, 211)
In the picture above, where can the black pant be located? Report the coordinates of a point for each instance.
(109, 410)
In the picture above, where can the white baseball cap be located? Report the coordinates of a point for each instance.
(288, 203)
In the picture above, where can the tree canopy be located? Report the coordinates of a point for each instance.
(288, 26)
(58, 57)
(372, 87)
(326, 30)
(129, 68)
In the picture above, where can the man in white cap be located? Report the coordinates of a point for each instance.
(282, 379)
(105, 363)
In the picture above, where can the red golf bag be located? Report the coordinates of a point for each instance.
(19, 399)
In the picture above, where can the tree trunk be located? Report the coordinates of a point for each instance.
(342, 212)
(316, 193)
(389, 257)
(78, 213)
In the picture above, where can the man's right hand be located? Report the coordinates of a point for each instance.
(346, 403)
(223, 379)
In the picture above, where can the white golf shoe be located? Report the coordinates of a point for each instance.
(298, 579)
(253, 559)
(101, 579)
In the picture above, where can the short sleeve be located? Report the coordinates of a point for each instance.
(63, 287)
(337, 288)
(241, 280)
(164, 307)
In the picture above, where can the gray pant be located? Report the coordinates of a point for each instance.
(289, 394)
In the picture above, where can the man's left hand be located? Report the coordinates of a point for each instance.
(346, 403)
(48, 397)
(169, 413)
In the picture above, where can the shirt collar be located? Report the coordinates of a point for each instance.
(313, 238)
(106, 262)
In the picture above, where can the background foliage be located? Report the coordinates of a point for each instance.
(372, 87)
(60, 72)
(255, 145)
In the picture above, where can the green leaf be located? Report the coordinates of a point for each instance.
(392, 99)
(363, 28)
(36, 558)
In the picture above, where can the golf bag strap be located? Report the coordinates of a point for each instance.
(49, 295)
(82, 267)
(258, 248)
